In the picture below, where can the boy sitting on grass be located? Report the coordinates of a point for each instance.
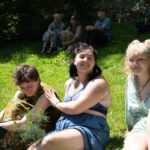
(31, 98)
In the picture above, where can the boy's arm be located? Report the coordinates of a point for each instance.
(42, 104)
(19, 95)
(1, 114)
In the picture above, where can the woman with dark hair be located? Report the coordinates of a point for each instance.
(72, 35)
(87, 98)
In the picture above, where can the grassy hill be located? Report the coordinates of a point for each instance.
(53, 69)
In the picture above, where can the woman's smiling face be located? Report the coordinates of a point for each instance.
(84, 61)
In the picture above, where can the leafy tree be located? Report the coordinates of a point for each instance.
(28, 19)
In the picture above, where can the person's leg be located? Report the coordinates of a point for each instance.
(45, 44)
(71, 48)
(45, 39)
(136, 141)
(53, 40)
(59, 44)
(56, 40)
(69, 139)
(52, 43)
(88, 37)
(147, 28)
(66, 36)
(101, 38)
(141, 27)
(91, 38)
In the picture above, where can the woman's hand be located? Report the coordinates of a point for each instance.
(51, 97)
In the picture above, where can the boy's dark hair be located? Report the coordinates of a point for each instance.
(73, 70)
(25, 73)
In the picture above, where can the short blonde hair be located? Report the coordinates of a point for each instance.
(136, 47)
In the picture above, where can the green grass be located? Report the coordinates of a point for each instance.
(53, 69)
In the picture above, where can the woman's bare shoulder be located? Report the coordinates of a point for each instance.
(99, 81)
(67, 83)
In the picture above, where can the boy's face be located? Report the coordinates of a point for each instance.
(101, 14)
(30, 88)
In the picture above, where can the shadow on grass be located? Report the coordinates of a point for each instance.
(122, 35)
(115, 143)
(19, 52)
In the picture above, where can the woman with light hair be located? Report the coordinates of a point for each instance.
(137, 95)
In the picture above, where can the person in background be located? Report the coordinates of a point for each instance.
(144, 27)
(137, 95)
(100, 33)
(83, 124)
(52, 35)
(29, 98)
(72, 35)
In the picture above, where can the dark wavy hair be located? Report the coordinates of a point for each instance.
(73, 70)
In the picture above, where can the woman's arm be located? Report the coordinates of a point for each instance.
(92, 28)
(148, 129)
(99, 28)
(94, 93)
(42, 104)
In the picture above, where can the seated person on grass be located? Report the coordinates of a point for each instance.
(83, 124)
(137, 95)
(144, 27)
(72, 35)
(52, 35)
(100, 33)
(29, 97)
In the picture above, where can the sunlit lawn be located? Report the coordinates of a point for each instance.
(53, 69)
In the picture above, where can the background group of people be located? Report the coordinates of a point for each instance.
(59, 38)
